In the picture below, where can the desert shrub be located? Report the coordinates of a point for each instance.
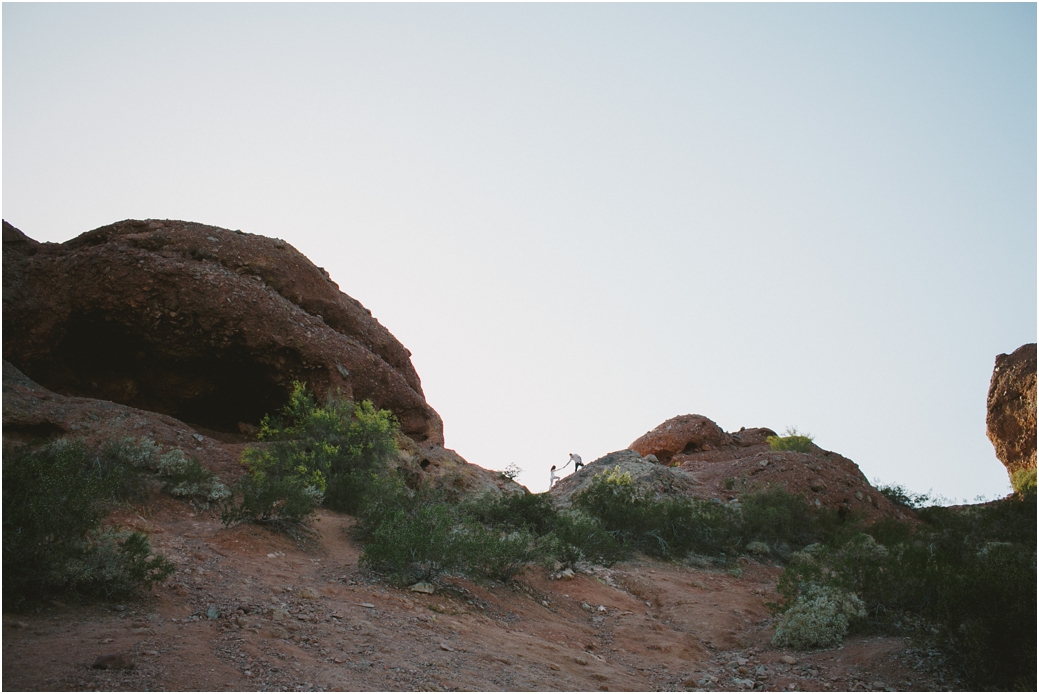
(414, 545)
(511, 471)
(965, 580)
(777, 517)
(1023, 481)
(55, 498)
(578, 537)
(792, 440)
(664, 528)
(123, 463)
(497, 553)
(524, 511)
(187, 478)
(325, 454)
(281, 500)
(818, 618)
(116, 563)
(900, 496)
(417, 534)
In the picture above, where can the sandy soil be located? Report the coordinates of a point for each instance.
(250, 610)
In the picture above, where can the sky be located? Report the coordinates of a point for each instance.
(586, 219)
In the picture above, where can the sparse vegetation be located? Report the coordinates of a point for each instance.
(900, 496)
(791, 440)
(511, 471)
(963, 580)
(55, 497)
(674, 528)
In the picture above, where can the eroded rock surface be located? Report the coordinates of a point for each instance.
(1011, 408)
(686, 433)
(204, 324)
(726, 465)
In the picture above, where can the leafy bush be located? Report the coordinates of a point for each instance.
(187, 478)
(900, 496)
(55, 497)
(524, 511)
(1023, 481)
(511, 471)
(792, 440)
(416, 545)
(497, 553)
(578, 537)
(818, 618)
(777, 517)
(314, 455)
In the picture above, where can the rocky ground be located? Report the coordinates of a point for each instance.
(250, 610)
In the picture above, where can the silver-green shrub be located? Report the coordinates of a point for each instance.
(186, 478)
(818, 618)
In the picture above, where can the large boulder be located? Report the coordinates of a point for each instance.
(203, 324)
(686, 433)
(1011, 408)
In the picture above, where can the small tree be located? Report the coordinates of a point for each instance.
(315, 455)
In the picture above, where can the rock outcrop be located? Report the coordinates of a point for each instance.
(725, 465)
(203, 324)
(658, 480)
(686, 433)
(1010, 420)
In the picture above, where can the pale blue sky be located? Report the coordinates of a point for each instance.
(586, 219)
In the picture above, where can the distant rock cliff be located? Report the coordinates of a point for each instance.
(1011, 408)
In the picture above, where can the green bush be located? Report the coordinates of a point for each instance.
(1023, 481)
(900, 496)
(414, 545)
(778, 517)
(326, 454)
(666, 528)
(818, 618)
(497, 553)
(524, 511)
(792, 440)
(578, 537)
(55, 498)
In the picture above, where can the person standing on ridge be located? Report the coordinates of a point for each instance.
(552, 477)
(576, 460)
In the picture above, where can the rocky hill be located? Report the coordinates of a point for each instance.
(690, 455)
(188, 334)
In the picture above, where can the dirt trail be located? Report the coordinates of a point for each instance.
(250, 610)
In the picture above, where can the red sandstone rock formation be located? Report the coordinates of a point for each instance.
(726, 466)
(683, 434)
(1011, 408)
(204, 324)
